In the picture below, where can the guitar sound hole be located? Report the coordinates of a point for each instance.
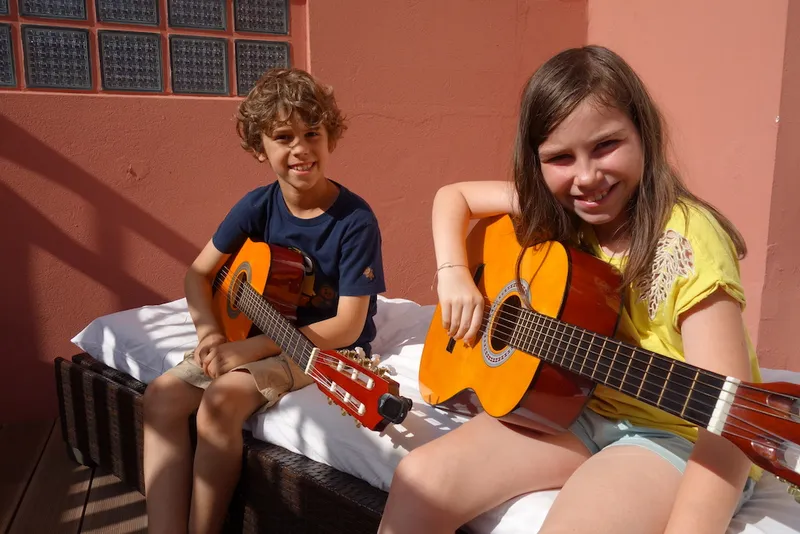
(238, 289)
(504, 323)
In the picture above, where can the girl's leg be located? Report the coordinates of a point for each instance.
(474, 468)
(168, 403)
(620, 490)
(226, 405)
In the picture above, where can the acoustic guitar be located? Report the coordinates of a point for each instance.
(541, 352)
(261, 285)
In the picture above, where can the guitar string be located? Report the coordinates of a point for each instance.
(552, 332)
(322, 358)
(509, 324)
(684, 406)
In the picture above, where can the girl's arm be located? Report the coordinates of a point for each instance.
(714, 339)
(453, 207)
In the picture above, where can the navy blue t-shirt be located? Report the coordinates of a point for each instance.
(342, 249)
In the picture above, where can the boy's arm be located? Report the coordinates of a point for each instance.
(197, 286)
(343, 329)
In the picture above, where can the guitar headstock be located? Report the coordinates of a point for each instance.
(360, 387)
(764, 422)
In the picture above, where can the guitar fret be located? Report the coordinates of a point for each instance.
(664, 386)
(649, 363)
(689, 396)
(597, 359)
(580, 370)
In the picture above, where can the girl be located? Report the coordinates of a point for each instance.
(590, 169)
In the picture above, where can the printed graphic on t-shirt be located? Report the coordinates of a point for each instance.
(316, 292)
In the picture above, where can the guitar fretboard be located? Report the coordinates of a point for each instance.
(269, 320)
(670, 385)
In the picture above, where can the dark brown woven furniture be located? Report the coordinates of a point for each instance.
(279, 491)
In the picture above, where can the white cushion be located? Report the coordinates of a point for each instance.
(145, 342)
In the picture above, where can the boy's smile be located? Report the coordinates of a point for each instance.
(297, 153)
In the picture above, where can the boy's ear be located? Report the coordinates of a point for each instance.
(260, 156)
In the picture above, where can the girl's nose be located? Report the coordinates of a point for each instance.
(588, 175)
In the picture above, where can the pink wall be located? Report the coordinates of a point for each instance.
(106, 199)
(780, 313)
(715, 67)
(432, 90)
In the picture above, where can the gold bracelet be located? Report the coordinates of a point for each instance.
(445, 265)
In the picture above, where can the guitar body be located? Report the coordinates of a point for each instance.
(516, 387)
(259, 286)
(275, 272)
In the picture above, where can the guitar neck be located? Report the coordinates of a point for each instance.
(270, 321)
(676, 387)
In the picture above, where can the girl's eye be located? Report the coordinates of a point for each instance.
(608, 144)
(561, 158)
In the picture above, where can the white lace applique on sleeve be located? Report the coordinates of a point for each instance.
(674, 258)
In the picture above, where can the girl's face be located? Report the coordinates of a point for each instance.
(593, 163)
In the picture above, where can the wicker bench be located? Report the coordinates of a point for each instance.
(279, 491)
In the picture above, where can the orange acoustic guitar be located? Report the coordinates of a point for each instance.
(260, 285)
(537, 367)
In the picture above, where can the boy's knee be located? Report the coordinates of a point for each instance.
(418, 470)
(223, 405)
(168, 398)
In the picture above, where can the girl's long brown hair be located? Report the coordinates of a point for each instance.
(551, 94)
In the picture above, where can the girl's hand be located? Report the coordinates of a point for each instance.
(461, 303)
(210, 341)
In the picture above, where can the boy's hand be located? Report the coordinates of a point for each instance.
(222, 358)
(201, 353)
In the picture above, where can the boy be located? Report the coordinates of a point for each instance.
(292, 122)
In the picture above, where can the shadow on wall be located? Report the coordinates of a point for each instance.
(32, 304)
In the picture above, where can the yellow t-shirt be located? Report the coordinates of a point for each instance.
(695, 257)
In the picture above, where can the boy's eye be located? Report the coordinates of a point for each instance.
(312, 133)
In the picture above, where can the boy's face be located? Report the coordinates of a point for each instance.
(298, 154)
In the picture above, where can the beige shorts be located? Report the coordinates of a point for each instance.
(274, 376)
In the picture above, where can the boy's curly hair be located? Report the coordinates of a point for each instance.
(277, 96)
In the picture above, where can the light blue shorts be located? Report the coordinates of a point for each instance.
(597, 433)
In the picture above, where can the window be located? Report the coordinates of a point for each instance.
(172, 47)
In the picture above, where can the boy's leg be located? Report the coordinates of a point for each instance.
(226, 405)
(168, 403)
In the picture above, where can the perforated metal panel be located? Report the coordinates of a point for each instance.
(199, 65)
(205, 14)
(262, 16)
(255, 57)
(54, 9)
(56, 57)
(7, 76)
(3, 7)
(128, 11)
(130, 61)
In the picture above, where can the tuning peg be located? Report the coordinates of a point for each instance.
(344, 412)
(330, 401)
(358, 424)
